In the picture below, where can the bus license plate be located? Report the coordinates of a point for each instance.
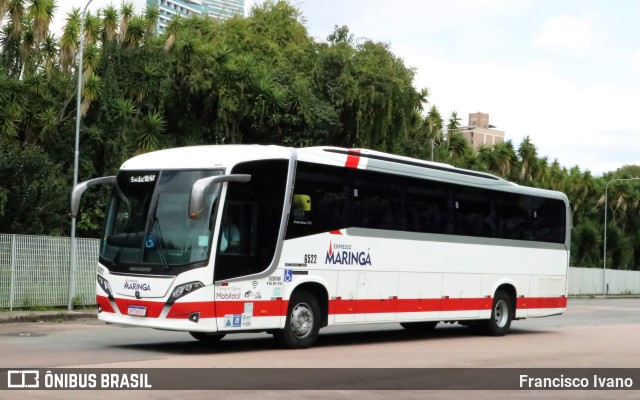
(140, 311)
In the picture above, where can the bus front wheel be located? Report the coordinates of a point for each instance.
(303, 322)
(501, 315)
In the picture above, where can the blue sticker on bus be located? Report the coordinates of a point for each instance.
(150, 243)
(288, 275)
(237, 320)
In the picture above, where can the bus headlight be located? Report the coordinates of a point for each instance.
(183, 290)
(104, 284)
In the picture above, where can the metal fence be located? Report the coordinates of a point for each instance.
(589, 281)
(34, 271)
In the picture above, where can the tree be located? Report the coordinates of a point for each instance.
(109, 23)
(126, 12)
(528, 155)
(41, 12)
(151, 15)
(69, 40)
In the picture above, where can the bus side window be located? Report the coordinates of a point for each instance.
(471, 207)
(548, 220)
(322, 200)
(512, 216)
(378, 200)
(428, 206)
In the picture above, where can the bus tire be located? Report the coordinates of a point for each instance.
(422, 327)
(208, 337)
(303, 322)
(501, 315)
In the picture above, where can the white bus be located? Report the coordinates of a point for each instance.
(214, 240)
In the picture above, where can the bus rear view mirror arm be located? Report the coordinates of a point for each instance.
(196, 201)
(78, 189)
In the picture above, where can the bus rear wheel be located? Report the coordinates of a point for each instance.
(303, 322)
(207, 337)
(502, 313)
(422, 327)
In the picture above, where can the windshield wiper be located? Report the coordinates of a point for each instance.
(155, 223)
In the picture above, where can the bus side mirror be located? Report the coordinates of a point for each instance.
(78, 189)
(196, 201)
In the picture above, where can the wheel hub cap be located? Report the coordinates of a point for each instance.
(301, 320)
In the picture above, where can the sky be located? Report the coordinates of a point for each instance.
(566, 73)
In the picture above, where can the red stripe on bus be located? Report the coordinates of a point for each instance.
(406, 305)
(104, 303)
(261, 308)
(278, 308)
(336, 232)
(183, 310)
(541, 302)
(353, 159)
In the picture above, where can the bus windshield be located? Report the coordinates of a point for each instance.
(147, 226)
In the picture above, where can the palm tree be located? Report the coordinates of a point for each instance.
(135, 32)
(542, 171)
(26, 46)
(457, 147)
(173, 31)
(126, 12)
(148, 138)
(49, 52)
(485, 157)
(90, 92)
(422, 99)
(12, 36)
(504, 157)
(528, 159)
(90, 62)
(454, 123)
(13, 101)
(92, 28)
(556, 175)
(36, 89)
(145, 85)
(16, 12)
(433, 124)
(151, 15)
(69, 40)
(109, 23)
(41, 12)
(585, 243)
(576, 188)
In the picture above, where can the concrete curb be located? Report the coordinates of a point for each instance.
(45, 316)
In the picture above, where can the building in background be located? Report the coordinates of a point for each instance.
(480, 132)
(217, 9)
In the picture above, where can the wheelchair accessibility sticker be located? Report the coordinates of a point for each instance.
(288, 275)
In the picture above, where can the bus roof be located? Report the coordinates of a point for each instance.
(226, 156)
